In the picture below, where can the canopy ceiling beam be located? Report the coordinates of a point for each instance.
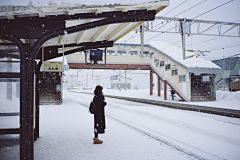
(99, 33)
(82, 34)
(116, 31)
(36, 27)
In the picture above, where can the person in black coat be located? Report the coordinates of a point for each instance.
(172, 93)
(99, 116)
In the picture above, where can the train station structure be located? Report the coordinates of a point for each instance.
(192, 79)
(30, 35)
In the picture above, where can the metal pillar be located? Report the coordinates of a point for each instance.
(159, 86)
(30, 110)
(23, 104)
(151, 82)
(36, 131)
(213, 88)
(165, 90)
(142, 38)
(183, 30)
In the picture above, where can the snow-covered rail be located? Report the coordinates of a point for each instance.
(197, 108)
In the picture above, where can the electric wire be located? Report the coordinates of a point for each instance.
(172, 10)
(175, 7)
(173, 17)
(192, 18)
(213, 9)
(225, 46)
(181, 13)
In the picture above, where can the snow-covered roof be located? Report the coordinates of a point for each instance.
(14, 10)
(40, 3)
(176, 54)
(9, 9)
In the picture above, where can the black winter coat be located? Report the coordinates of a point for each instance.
(99, 116)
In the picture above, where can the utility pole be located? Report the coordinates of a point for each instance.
(183, 28)
(223, 75)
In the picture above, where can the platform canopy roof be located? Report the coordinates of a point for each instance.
(110, 32)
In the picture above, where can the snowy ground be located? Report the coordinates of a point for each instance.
(134, 131)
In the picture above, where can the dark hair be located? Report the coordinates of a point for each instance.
(98, 90)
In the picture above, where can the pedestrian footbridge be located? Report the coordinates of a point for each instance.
(187, 81)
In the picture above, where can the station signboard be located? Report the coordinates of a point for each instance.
(53, 66)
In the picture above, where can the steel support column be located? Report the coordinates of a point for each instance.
(30, 108)
(183, 31)
(36, 131)
(142, 38)
(159, 86)
(165, 89)
(151, 82)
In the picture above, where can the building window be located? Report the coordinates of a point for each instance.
(110, 52)
(145, 53)
(206, 78)
(182, 78)
(174, 72)
(168, 67)
(151, 54)
(161, 63)
(132, 53)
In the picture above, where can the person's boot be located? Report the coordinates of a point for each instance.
(97, 141)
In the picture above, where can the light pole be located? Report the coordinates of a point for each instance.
(223, 74)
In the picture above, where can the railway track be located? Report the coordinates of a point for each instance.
(182, 106)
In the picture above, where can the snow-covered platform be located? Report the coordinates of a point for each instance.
(134, 131)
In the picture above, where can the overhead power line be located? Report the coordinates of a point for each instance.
(192, 19)
(172, 10)
(173, 16)
(181, 13)
(213, 9)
